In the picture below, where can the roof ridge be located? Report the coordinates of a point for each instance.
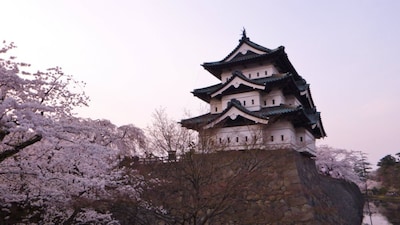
(246, 40)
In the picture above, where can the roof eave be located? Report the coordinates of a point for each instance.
(216, 68)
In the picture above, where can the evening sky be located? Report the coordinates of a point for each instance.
(136, 56)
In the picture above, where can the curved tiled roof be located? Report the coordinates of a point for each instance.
(205, 93)
(240, 56)
(279, 110)
(246, 40)
(307, 117)
(215, 68)
(236, 103)
(198, 121)
(288, 80)
(234, 75)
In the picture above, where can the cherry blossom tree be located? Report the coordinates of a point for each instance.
(342, 164)
(82, 168)
(54, 166)
(30, 103)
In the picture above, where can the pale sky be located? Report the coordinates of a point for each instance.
(136, 56)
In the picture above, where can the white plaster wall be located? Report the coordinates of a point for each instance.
(244, 97)
(259, 71)
(215, 106)
(308, 142)
(279, 129)
(252, 72)
(273, 98)
(225, 76)
(235, 137)
(259, 136)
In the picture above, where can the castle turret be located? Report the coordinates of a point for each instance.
(261, 102)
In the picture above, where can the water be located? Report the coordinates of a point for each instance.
(382, 213)
(377, 219)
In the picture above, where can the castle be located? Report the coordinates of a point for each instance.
(261, 102)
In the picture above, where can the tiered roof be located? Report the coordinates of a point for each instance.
(299, 116)
(287, 80)
(259, 54)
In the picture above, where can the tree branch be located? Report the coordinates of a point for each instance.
(3, 134)
(10, 152)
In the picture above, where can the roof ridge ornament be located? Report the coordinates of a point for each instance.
(244, 36)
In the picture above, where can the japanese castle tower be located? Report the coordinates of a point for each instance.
(261, 102)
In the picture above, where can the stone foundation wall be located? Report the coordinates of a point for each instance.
(257, 187)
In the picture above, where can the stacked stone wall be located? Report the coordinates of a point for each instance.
(282, 187)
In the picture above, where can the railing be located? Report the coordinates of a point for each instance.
(155, 159)
(172, 157)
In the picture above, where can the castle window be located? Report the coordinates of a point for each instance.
(244, 103)
(265, 102)
(272, 138)
(258, 74)
(237, 139)
(301, 139)
(216, 109)
(220, 140)
(282, 138)
(266, 72)
(229, 140)
(249, 75)
(245, 138)
(273, 101)
(252, 101)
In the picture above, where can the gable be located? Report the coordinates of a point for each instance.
(243, 51)
(236, 82)
(234, 113)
